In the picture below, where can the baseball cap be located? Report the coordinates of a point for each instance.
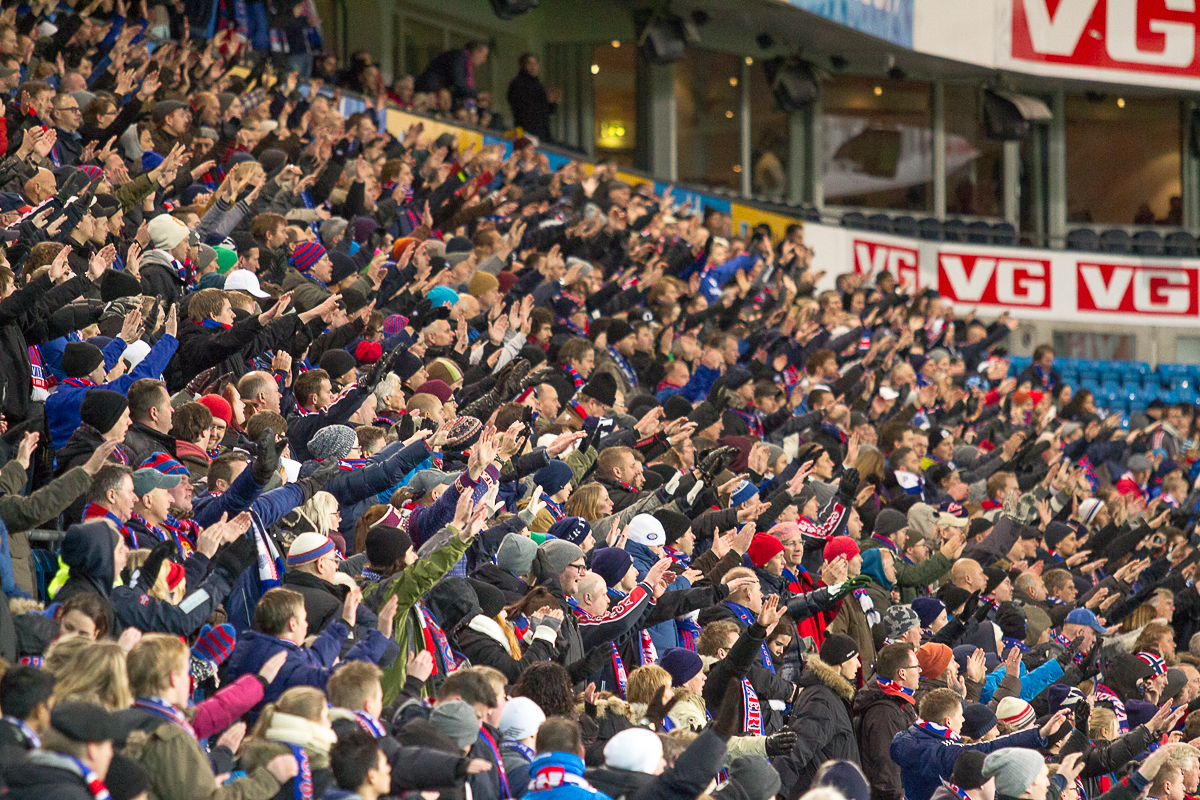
(244, 280)
(1082, 616)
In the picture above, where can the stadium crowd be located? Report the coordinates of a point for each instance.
(389, 466)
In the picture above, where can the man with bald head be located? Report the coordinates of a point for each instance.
(967, 574)
(40, 187)
(260, 390)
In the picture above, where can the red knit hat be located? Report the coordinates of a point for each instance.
(763, 547)
(840, 546)
(218, 405)
(368, 352)
(175, 574)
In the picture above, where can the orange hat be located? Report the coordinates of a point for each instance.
(933, 658)
(398, 247)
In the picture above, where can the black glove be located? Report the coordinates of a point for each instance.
(369, 380)
(317, 480)
(1090, 666)
(716, 462)
(780, 744)
(848, 488)
(591, 663)
(984, 610)
(266, 464)
(1067, 656)
(233, 559)
(153, 563)
(970, 608)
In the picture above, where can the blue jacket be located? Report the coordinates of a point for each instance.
(305, 666)
(716, 277)
(1032, 682)
(697, 387)
(559, 776)
(62, 406)
(926, 758)
(664, 634)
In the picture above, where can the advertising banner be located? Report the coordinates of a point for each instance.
(891, 20)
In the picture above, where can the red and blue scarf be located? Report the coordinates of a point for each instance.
(161, 708)
(505, 792)
(746, 617)
(1107, 695)
(435, 641)
(94, 511)
(303, 786)
(941, 731)
(890, 687)
(370, 724)
(752, 722)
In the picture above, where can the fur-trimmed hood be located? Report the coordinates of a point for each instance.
(823, 673)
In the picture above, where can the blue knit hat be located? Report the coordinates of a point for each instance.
(572, 529)
(611, 563)
(442, 295)
(745, 491)
(553, 477)
(927, 609)
(682, 663)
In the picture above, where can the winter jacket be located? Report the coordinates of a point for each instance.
(142, 441)
(852, 621)
(160, 278)
(323, 601)
(914, 579)
(926, 758)
(302, 427)
(484, 643)
(821, 719)
(413, 768)
(552, 776)
(257, 753)
(878, 717)
(512, 587)
(43, 775)
(135, 607)
(19, 513)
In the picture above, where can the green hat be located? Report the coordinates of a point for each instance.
(226, 258)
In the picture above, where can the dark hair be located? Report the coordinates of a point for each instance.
(222, 467)
(559, 735)
(93, 607)
(108, 478)
(308, 384)
(143, 395)
(470, 686)
(352, 756)
(892, 658)
(191, 420)
(549, 685)
(275, 609)
(22, 688)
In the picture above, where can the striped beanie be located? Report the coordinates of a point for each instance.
(393, 324)
(92, 171)
(163, 463)
(305, 255)
(308, 547)
(1157, 665)
(1015, 712)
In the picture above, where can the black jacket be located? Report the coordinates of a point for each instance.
(821, 719)
(877, 718)
(481, 643)
(30, 781)
(142, 441)
(531, 106)
(413, 768)
(512, 587)
(323, 601)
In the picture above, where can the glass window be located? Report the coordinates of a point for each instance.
(1100, 346)
(770, 139)
(422, 43)
(1123, 161)
(614, 101)
(974, 163)
(708, 102)
(878, 143)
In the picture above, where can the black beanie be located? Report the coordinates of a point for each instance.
(115, 284)
(618, 329)
(837, 649)
(102, 409)
(675, 408)
(704, 415)
(386, 545)
(674, 523)
(602, 387)
(80, 358)
(491, 599)
(337, 362)
(126, 778)
(968, 770)
(406, 365)
(343, 267)
(1011, 620)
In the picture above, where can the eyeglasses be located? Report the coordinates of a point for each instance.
(579, 567)
(72, 109)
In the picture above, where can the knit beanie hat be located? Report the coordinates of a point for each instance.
(1011, 619)
(1014, 768)
(491, 599)
(337, 362)
(847, 778)
(968, 770)
(553, 477)
(218, 406)
(102, 408)
(162, 462)
(995, 577)
(439, 389)
(1016, 713)
(442, 296)
(114, 284)
(80, 358)
(645, 529)
(457, 720)
(557, 555)
(933, 658)
(763, 547)
(572, 529)
(1088, 510)
(612, 564)
(332, 442)
(682, 663)
(978, 719)
(634, 749)
(755, 776)
(444, 370)
(521, 719)
(744, 492)
(305, 255)
(839, 546)
(1061, 694)
(406, 365)
(1055, 532)
(516, 554)
(899, 620)
(675, 525)
(482, 282)
(602, 388)
(889, 522)
(166, 232)
(837, 649)
(126, 778)
(927, 609)
(343, 266)
(386, 545)
(308, 547)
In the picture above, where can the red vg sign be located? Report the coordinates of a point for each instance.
(994, 280)
(871, 258)
(1152, 36)
(1126, 289)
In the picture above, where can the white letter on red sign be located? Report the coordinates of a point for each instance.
(968, 288)
(1106, 297)
(1057, 35)
(1163, 291)
(1179, 45)
(1029, 289)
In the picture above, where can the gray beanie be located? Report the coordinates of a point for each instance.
(457, 720)
(899, 620)
(516, 554)
(332, 442)
(921, 517)
(774, 451)
(756, 777)
(1014, 768)
(557, 554)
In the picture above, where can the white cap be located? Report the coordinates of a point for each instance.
(135, 352)
(886, 392)
(645, 529)
(244, 280)
(166, 232)
(521, 718)
(634, 749)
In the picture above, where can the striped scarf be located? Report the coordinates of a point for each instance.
(369, 724)
(505, 791)
(42, 378)
(161, 708)
(67, 763)
(1107, 695)
(94, 511)
(752, 722)
(435, 641)
(351, 464)
(626, 370)
(940, 731)
(746, 617)
(890, 687)
(31, 737)
(303, 787)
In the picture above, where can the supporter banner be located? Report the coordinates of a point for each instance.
(1151, 42)
(888, 19)
(1029, 283)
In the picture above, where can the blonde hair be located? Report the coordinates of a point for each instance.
(317, 511)
(644, 683)
(583, 502)
(62, 653)
(299, 701)
(1138, 618)
(137, 560)
(1100, 723)
(153, 660)
(351, 684)
(97, 672)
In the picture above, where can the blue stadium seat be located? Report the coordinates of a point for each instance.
(931, 229)
(1148, 243)
(854, 219)
(880, 222)
(1083, 239)
(904, 226)
(979, 232)
(955, 230)
(1180, 243)
(1116, 241)
(1004, 233)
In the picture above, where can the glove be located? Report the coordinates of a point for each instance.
(982, 613)
(1067, 656)
(1090, 666)
(317, 480)
(848, 488)
(369, 380)
(266, 464)
(215, 644)
(969, 607)
(153, 563)
(716, 462)
(780, 744)
(840, 590)
(591, 663)
(233, 559)
(73, 185)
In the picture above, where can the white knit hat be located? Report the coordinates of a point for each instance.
(166, 232)
(645, 529)
(1088, 509)
(521, 718)
(1015, 712)
(634, 749)
(308, 547)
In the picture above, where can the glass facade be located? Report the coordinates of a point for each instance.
(974, 163)
(614, 99)
(708, 107)
(769, 139)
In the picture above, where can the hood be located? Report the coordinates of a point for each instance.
(162, 259)
(618, 782)
(88, 550)
(643, 557)
(453, 603)
(817, 671)
(567, 762)
(872, 565)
